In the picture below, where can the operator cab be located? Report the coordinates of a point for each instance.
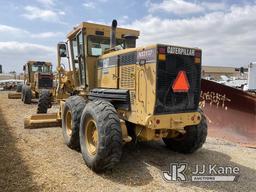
(86, 43)
(41, 67)
(33, 67)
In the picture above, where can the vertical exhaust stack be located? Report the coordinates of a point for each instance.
(113, 34)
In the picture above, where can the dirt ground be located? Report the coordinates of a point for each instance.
(38, 160)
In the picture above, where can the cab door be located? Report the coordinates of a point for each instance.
(81, 59)
(109, 72)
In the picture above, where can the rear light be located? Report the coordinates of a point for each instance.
(161, 50)
(197, 53)
(162, 57)
(197, 60)
(195, 117)
(197, 56)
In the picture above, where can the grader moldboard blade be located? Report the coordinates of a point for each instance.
(14, 95)
(231, 113)
(42, 121)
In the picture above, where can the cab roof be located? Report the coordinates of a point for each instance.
(39, 63)
(103, 30)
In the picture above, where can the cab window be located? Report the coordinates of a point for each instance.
(41, 68)
(97, 45)
(74, 50)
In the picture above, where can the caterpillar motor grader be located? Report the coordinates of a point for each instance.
(38, 83)
(123, 93)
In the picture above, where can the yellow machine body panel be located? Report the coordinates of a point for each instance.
(136, 70)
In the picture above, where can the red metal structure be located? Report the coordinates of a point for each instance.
(231, 113)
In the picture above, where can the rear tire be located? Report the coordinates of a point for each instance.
(192, 140)
(73, 109)
(27, 95)
(44, 101)
(100, 136)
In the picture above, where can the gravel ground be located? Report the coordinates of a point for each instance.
(38, 160)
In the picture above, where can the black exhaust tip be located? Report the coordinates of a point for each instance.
(113, 34)
(114, 23)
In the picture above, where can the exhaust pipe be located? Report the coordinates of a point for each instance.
(113, 34)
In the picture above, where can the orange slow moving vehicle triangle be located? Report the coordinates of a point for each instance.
(181, 83)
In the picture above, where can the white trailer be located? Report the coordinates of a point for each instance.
(252, 77)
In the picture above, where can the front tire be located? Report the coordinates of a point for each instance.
(27, 95)
(100, 136)
(44, 101)
(73, 109)
(22, 92)
(192, 140)
(19, 88)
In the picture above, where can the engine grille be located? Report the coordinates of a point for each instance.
(45, 81)
(128, 58)
(127, 77)
(167, 71)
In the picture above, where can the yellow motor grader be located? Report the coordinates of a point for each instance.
(123, 94)
(38, 83)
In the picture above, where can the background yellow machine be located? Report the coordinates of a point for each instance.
(38, 83)
(123, 93)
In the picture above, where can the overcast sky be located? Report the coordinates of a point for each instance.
(224, 30)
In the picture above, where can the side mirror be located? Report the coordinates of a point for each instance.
(241, 70)
(62, 49)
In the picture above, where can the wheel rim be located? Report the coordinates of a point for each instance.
(91, 136)
(69, 123)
